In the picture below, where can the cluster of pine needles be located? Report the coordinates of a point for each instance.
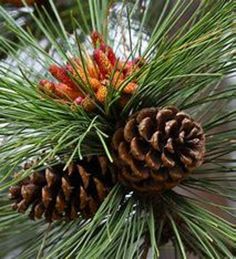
(188, 65)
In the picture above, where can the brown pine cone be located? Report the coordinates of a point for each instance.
(57, 194)
(157, 148)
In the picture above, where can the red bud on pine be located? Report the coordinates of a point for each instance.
(66, 92)
(103, 62)
(47, 87)
(59, 90)
(79, 100)
(97, 39)
(61, 74)
(97, 72)
(109, 53)
(101, 94)
(130, 88)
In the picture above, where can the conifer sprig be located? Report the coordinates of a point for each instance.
(186, 67)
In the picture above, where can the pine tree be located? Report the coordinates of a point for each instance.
(118, 129)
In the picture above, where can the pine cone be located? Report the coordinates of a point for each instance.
(157, 148)
(59, 194)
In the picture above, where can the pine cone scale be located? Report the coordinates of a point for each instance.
(153, 160)
(156, 141)
(138, 149)
(100, 189)
(84, 176)
(22, 206)
(14, 192)
(60, 203)
(29, 192)
(51, 178)
(38, 210)
(66, 188)
(146, 128)
(167, 160)
(130, 130)
(159, 176)
(46, 196)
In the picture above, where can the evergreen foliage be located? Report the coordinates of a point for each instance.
(187, 66)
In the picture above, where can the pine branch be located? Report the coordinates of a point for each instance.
(184, 67)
